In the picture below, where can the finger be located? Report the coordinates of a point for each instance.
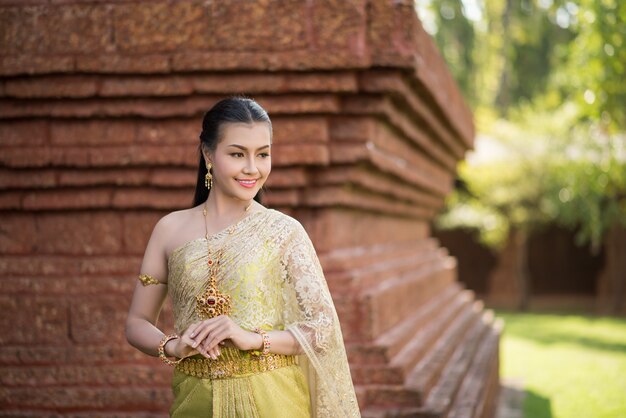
(214, 353)
(203, 323)
(206, 328)
(191, 331)
(216, 336)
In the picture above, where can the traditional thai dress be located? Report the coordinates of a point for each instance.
(270, 269)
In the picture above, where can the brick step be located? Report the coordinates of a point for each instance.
(428, 355)
(367, 316)
(393, 300)
(403, 400)
(405, 358)
(382, 350)
(372, 273)
(428, 371)
(473, 399)
(443, 394)
(355, 258)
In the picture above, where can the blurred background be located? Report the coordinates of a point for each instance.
(537, 219)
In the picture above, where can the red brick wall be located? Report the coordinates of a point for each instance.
(100, 111)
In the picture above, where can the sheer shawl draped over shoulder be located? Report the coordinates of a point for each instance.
(270, 269)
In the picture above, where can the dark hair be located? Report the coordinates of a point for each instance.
(234, 109)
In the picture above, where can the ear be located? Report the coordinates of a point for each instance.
(206, 154)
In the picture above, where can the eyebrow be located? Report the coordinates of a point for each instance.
(244, 148)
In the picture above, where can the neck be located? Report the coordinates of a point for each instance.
(225, 207)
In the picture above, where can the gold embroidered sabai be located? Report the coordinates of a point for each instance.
(269, 268)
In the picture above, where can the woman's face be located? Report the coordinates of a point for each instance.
(241, 161)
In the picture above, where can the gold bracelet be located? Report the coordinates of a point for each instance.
(266, 343)
(162, 355)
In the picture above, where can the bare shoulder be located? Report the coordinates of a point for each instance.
(173, 221)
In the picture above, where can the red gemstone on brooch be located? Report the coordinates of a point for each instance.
(210, 301)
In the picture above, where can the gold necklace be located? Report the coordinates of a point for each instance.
(211, 302)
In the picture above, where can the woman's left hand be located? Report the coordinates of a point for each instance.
(211, 332)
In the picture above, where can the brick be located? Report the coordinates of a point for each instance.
(11, 200)
(23, 133)
(98, 398)
(332, 229)
(163, 26)
(242, 83)
(79, 28)
(109, 156)
(352, 128)
(322, 82)
(32, 319)
(298, 60)
(51, 86)
(113, 63)
(169, 132)
(306, 154)
(141, 155)
(174, 177)
(18, 233)
(146, 86)
(98, 318)
(280, 198)
(368, 180)
(294, 104)
(390, 32)
(68, 375)
(22, 31)
(84, 233)
(93, 132)
(299, 129)
(61, 354)
(340, 25)
(63, 265)
(152, 199)
(34, 64)
(269, 25)
(93, 177)
(137, 229)
(24, 179)
(66, 199)
(287, 177)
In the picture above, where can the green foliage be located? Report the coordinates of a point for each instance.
(546, 81)
(588, 183)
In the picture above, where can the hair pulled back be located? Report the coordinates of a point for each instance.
(235, 109)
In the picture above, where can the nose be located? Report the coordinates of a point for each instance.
(250, 167)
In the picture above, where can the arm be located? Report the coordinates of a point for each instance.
(147, 301)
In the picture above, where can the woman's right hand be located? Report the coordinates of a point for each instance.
(184, 345)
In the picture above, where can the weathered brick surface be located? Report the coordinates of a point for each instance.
(101, 103)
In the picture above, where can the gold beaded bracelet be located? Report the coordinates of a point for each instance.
(266, 343)
(162, 355)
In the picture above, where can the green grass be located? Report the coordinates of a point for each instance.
(571, 365)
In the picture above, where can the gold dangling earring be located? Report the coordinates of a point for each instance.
(208, 179)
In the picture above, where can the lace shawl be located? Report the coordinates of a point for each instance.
(275, 280)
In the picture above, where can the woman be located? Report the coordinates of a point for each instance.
(256, 331)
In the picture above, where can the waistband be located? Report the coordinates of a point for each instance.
(207, 368)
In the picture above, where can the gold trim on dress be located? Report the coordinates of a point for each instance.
(223, 368)
(146, 279)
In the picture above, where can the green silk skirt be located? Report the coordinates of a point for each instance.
(282, 392)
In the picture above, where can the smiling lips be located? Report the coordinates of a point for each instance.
(248, 183)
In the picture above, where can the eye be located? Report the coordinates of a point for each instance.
(237, 154)
(264, 154)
